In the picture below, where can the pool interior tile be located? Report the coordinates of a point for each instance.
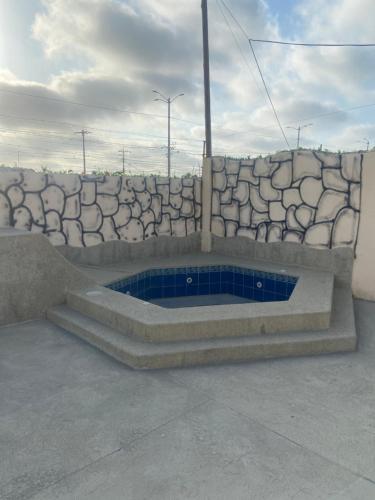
(251, 284)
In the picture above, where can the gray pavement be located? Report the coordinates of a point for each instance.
(75, 424)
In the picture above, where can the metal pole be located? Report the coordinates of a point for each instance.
(169, 101)
(299, 128)
(206, 73)
(83, 132)
(169, 136)
(84, 152)
(123, 159)
(123, 151)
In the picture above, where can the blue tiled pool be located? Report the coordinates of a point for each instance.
(226, 281)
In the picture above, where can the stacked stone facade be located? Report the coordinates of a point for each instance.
(302, 196)
(86, 210)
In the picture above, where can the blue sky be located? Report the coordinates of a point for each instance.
(286, 17)
(112, 53)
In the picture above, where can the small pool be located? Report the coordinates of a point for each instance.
(206, 286)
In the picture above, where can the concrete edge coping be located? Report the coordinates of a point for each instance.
(313, 294)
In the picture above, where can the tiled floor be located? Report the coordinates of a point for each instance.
(74, 424)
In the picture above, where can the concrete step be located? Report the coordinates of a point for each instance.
(309, 308)
(340, 337)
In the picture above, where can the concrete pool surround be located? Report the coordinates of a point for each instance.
(309, 307)
(317, 319)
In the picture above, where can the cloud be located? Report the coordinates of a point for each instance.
(115, 36)
(114, 52)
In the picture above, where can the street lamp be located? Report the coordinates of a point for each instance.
(168, 101)
(299, 128)
(367, 142)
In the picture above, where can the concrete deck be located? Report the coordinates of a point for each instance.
(75, 424)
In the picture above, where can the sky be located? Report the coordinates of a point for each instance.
(68, 65)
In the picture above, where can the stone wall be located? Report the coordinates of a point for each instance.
(86, 210)
(307, 197)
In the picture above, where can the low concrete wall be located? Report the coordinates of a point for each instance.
(120, 251)
(33, 276)
(337, 260)
(364, 263)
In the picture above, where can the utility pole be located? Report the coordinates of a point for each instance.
(206, 73)
(299, 128)
(168, 101)
(18, 159)
(123, 158)
(203, 157)
(83, 132)
(169, 137)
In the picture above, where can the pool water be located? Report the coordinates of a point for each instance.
(208, 285)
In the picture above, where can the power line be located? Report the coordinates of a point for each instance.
(306, 44)
(55, 134)
(291, 43)
(330, 113)
(235, 20)
(260, 73)
(245, 59)
(269, 96)
(66, 139)
(314, 117)
(53, 151)
(149, 151)
(48, 134)
(96, 106)
(106, 159)
(92, 128)
(111, 131)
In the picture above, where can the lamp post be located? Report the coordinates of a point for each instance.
(168, 101)
(367, 142)
(299, 128)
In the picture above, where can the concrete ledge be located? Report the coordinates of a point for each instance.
(340, 337)
(118, 251)
(339, 261)
(33, 276)
(309, 307)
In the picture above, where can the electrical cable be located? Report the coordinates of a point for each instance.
(307, 44)
(96, 106)
(269, 96)
(245, 59)
(261, 75)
